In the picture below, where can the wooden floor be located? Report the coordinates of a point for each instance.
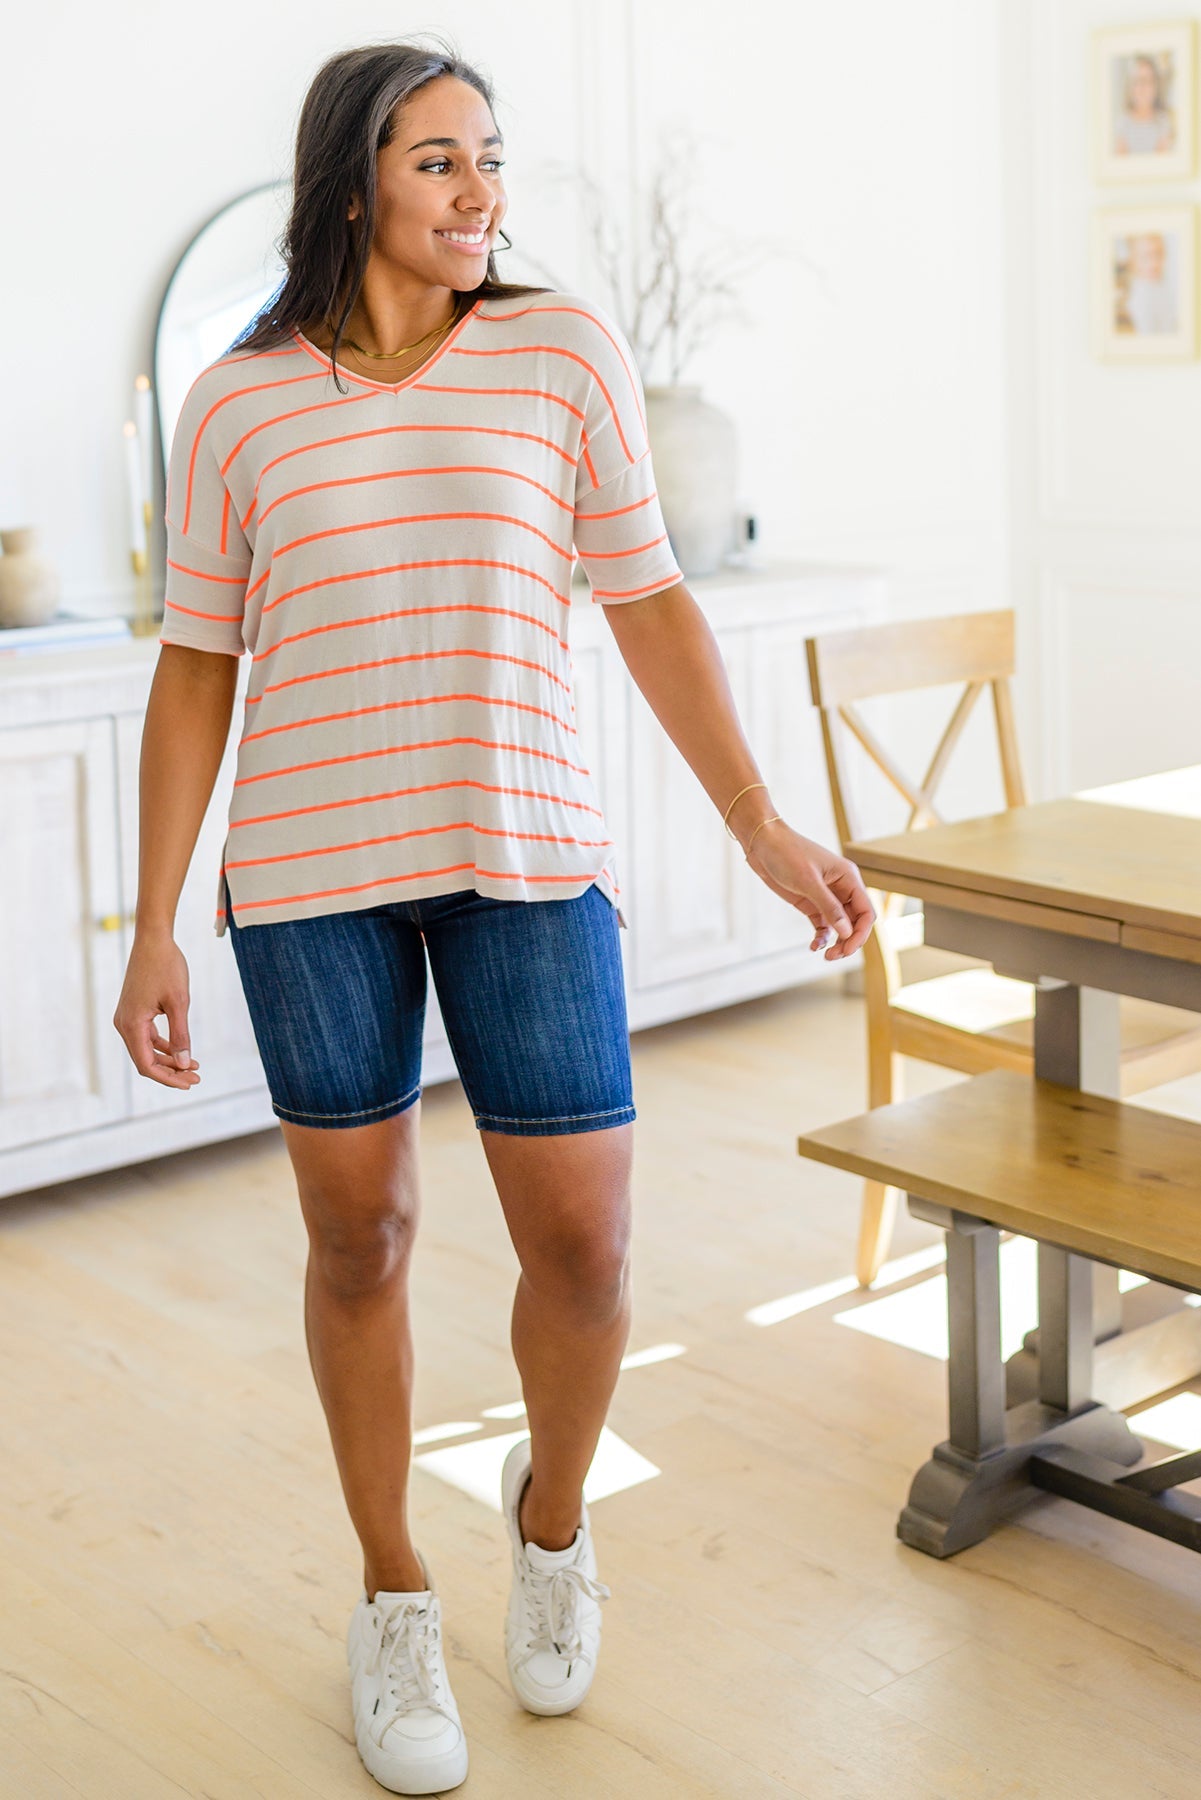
(177, 1569)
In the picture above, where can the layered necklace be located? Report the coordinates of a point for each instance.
(393, 355)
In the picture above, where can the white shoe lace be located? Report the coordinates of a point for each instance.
(406, 1653)
(553, 1597)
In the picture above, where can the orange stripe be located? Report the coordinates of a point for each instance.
(634, 550)
(246, 356)
(558, 350)
(254, 388)
(584, 518)
(581, 313)
(387, 662)
(427, 787)
(299, 412)
(362, 887)
(429, 387)
(654, 587)
(316, 487)
(193, 612)
(400, 837)
(316, 537)
(408, 612)
(351, 437)
(199, 575)
(437, 562)
(331, 762)
(364, 712)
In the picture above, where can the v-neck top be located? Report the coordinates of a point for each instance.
(397, 559)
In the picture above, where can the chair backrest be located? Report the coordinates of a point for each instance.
(975, 649)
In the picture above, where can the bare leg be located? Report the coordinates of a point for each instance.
(359, 1195)
(566, 1201)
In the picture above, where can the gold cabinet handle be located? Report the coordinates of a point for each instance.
(114, 921)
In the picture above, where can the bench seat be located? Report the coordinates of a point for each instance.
(1096, 1177)
(1092, 1180)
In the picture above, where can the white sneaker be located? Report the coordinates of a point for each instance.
(406, 1723)
(553, 1626)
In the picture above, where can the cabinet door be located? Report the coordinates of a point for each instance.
(222, 1037)
(691, 895)
(62, 1066)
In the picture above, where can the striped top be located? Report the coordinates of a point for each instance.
(398, 561)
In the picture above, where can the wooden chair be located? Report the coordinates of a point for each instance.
(972, 1020)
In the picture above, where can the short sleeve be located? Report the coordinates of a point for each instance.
(619, 532)
(208, 557)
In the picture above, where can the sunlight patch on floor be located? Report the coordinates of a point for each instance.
(639, 1359)
(770, 1312)
(431, 1434)
(475, 1468)
(1176, 1422)
(916, 1317)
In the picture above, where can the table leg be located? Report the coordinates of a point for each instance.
(1077, 1042)
(979, 1475)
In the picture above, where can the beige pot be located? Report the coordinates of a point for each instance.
(30, 585)
(695, 455)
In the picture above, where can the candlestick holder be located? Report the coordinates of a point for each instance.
(146, 620)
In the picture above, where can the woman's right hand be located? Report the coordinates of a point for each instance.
(156, 983)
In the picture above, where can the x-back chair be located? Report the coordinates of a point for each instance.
(971, 1020)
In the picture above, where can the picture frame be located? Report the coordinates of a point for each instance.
(1145, 283)
(1145, 101)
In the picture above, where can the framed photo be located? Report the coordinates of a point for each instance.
(1145, 102)
(1145, 283)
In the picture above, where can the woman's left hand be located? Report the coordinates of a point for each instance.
(826, 888)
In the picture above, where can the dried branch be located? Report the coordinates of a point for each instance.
(689, 291)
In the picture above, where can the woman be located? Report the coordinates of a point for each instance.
(377, 491)
(1145, 125)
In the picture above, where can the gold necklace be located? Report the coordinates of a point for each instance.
(392, 355)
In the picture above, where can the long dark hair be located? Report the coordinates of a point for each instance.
(346, 119)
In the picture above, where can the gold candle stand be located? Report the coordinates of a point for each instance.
(145, 621)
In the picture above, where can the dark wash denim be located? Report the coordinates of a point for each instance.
(530, 990)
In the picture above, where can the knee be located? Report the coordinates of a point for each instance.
(355, 1258)
(585, 1272)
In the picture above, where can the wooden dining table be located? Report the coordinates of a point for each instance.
(1088, 898)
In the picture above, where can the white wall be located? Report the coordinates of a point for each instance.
(869, 394)
(1105, 458)
(868, 398)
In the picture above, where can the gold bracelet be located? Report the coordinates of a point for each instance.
(734, 803)
(759, 827)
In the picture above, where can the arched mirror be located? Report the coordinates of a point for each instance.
(226, 275)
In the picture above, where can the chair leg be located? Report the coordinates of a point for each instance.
(876, 1221)
(879, 1211)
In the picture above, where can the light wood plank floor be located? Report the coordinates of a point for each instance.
(177, 1569)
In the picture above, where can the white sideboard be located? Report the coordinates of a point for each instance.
(703, 931)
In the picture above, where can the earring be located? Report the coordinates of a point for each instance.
(503, 233)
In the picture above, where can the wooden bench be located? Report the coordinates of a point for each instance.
(1089, 1178)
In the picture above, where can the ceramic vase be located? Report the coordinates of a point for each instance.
(30, 584)
(694, 450)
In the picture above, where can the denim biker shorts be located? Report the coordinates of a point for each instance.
(530, 991)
